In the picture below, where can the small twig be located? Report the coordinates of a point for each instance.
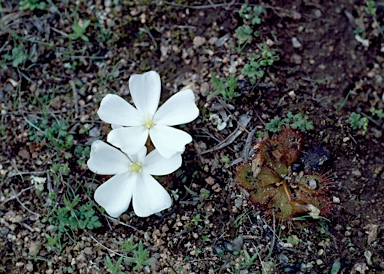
(17, 198)
(124, 224)
(28, 227)
(353, 139)
(258, 116)
(32, 125)
(247, 146)
(231, 138)
(273, 237)
(17, 195)
(202, 6)
(107, 248)
(150, 36)
(25, 76)
(233, 116)
(59, 31)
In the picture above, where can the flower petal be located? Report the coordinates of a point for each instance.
(179, 109)
(128, 139)
(139, 156)
(168, 140)
(155, 164)
(145, 90)
(116, 193)
(106, 159)
(149, 196)
(115, 110)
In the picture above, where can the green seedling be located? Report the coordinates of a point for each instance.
(55, 241)
(72, 216)
(113, 268)
(377, 112)
(257, 62)
(32, 5)
(294, 121)
(370, 7)
(252, 14)
(82, 154)
(342, 104)
(139, 254)
(79, 31)
(128, 245)
(225, 88)
(196, 219)
(57, 133)
(19, 55)
(358, 122)
(245, 33)
(140, 257)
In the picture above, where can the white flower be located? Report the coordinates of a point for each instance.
(146, 119)
(132, 179)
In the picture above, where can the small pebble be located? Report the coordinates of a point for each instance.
(23, 153)
(199, 41)
(296, 59)
(347, 233)
(88, 250)
(296, 43)
(356, 173)
(204, 89)
(29, 267)
(212, 40)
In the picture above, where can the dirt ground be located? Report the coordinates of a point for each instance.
(327, 64)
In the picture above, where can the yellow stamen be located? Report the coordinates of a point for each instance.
(135, 167)
(149, 123)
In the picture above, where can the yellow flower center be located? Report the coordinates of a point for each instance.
(149, 122)
(135, 167)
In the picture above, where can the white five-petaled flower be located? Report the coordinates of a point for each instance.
(132, 179)
(146, 120)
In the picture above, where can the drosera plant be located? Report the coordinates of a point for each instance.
(357, 122)
(295, 121)
(224, 87)
(275, 186)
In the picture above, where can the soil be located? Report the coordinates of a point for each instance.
(328, 64)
